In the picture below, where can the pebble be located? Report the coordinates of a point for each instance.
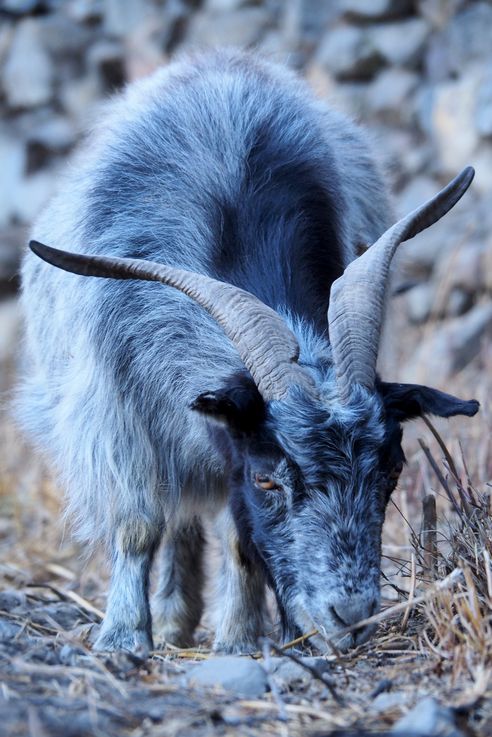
(428, 719)
(244, 677)
(28, 72)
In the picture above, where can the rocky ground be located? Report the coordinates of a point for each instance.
(419, 76)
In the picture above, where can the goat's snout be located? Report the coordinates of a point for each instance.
(347, 610)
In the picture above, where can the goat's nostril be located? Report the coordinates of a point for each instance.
(337, 618)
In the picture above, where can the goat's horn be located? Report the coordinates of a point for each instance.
(355, 313)
(265, 344)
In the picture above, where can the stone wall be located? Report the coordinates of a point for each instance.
(417, 73)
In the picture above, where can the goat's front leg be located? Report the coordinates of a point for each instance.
(178, 601)
(127, 624)
(241, 606)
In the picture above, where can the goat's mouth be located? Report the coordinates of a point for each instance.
(332, 632)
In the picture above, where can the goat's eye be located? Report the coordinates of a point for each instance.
(265, 482)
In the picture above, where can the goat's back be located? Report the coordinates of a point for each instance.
(222, 164)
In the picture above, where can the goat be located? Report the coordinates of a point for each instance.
(229, 393)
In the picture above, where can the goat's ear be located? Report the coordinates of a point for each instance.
(238, 405)
(407, 401)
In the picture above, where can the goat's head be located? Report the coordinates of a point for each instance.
(314, 453)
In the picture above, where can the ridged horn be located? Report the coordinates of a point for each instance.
(356, 309)
(265, 344)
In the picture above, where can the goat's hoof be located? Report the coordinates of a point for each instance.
(235, 648)
(114, 639)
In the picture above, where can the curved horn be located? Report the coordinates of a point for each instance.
(267, 347)
(355, 313)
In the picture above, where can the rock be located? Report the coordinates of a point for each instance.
(12, 238)
(428, 719)
(286, 672)
(242, 29)
(419, 302)
(13, 158)
(483, 108)
(453, 120)
(19, 7)
(416, 193)
(348, 52)
(221, 6)
(123, 16)
(464, 40)
(401, 43)
(33, 193)
(9, 337)
(458, 302)
(389, 92)
(54, 132)
(482, 161)
(78, 98)
(389, 701)
(107, 60)
(463, 269)
(487, 266)
(243, 676)
(450, 347)
(28, 72)
(83, 11)
(422, 253)
(375, 9)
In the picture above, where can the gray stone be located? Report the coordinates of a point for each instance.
(242, 676)
(458, 302)
(464, 39)
(55, 132)
(349, 52)
(389, 92)
(242, 28)
(482, 161)
(28, 72)
(12, 238)
(483, 109)
(451, 347)
(428, 719)
(32, 194)
(107, 59)
(9, 336)
(416, 193)
(422, 253)
(78, 98)
(463, 268)
(375, 9)
(19, 7)
(286, 672)
(123, 16)
(13, 158)
(389, 700)
(419, 302)
(453, 120)
(85, 10)
(401, 43)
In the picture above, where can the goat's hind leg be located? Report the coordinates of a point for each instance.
(128, 624)
(178, 601)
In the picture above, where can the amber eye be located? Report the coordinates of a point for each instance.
(265, 482)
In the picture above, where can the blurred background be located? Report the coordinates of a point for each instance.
(416, 74)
